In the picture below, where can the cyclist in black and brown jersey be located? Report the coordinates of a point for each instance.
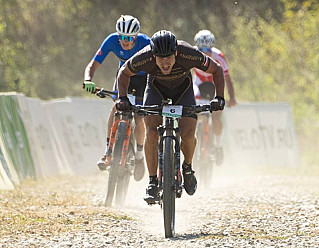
(168, 63)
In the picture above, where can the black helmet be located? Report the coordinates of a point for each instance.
(163, 43)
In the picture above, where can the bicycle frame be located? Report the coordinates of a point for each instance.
(120, 149)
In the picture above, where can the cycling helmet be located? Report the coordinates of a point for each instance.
(127, 25)
(163, 43)
(204, 38)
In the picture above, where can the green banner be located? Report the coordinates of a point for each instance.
(6, 179)
(14, 137)
(5, 166)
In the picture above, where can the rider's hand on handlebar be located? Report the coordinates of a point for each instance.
(217, 104)
(89, 86)
(123, 104)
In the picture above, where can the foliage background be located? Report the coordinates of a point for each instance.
(272, 47)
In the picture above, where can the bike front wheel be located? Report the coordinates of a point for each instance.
(169, 188)
(124, 177)
(115, 164)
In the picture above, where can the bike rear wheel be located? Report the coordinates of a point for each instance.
(169, 188)
(115, 163)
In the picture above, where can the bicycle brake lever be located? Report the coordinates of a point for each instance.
(100, 94)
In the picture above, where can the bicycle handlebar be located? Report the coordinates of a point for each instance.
(102, 93)
(157, 109)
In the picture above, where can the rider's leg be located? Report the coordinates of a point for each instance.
(151, 155)
(205, 136)
(217, 123)
(217, 132)
(188, 126)
(139, 133)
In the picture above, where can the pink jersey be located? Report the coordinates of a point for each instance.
(201, 76)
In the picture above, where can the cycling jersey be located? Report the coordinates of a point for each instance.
(187, 58)
(201, 76)
(112, 44)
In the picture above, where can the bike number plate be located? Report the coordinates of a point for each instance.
(174, 111)
(131, 98)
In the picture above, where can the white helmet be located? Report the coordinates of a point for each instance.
(204, 38)
(127, 25)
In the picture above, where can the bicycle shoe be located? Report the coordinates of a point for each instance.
(139, 169)
(102, 164)
(219, 155)
(151, 194)
(190, 182)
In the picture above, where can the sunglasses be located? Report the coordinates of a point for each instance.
(205, 49)
(125, 37)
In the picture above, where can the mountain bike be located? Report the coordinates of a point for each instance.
(169, 173)
(121, 153)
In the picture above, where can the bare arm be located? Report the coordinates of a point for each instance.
(90, 69)
(231, 92)
(218, 74)
(123, 80)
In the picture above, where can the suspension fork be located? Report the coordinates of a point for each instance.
(177, 157)
(169, 129)
(112, 138)
(160, 131)
(126, 142)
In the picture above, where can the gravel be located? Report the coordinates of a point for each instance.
(242, 208)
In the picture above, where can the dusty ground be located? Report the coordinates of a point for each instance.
(242, 208)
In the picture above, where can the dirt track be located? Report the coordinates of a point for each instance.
(241, 209)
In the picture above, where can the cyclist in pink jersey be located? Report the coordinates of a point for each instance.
(203, 86)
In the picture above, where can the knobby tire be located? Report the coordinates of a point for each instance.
(169, 188)
(115, 163)
(124, 177)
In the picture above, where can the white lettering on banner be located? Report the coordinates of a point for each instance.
(8, 114)
(264, 137)
(89, 135)
(43, 134)
(19, 140)
(260, 134)
(8, 140)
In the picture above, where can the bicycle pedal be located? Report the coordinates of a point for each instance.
(179, 193)
(151, 200)
(102, 166)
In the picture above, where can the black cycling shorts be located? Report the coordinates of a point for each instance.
(137, 83)
(181, 95)
(207, 90)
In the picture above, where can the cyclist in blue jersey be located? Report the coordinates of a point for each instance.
(124, 43)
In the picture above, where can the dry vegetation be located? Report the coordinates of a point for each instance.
(243, 208)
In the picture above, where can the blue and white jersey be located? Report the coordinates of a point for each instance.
(112, 44)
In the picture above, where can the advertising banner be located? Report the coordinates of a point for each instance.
(260, 134)
(47, 160)
(79, 128)
(14, 141)
(5, 175)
